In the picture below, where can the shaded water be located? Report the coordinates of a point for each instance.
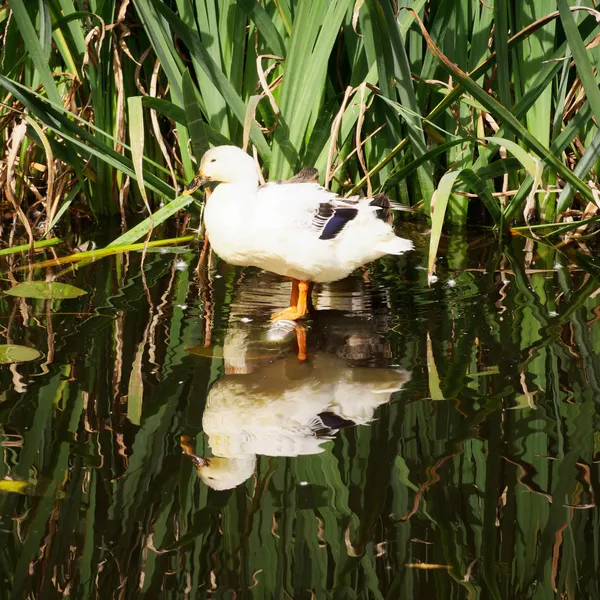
(465, 465)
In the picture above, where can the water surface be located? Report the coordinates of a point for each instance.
(438, 442)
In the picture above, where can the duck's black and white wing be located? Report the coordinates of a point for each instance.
(309, 205)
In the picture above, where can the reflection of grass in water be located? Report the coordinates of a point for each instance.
(126, 498)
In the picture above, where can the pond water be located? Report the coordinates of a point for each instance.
(437, 442)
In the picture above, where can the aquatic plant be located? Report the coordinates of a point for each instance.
(487, 111)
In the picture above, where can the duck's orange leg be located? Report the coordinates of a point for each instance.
(301, 340)
(293, 301)
(295, 292)
(300, 308)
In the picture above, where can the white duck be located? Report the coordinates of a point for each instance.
(298, 230)
(285, 409)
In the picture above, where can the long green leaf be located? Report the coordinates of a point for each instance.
(217, 77)
(67, 129)
(195, 123)
(25, 247)
(582, 62)
(34, 48)
(158, 217)
(439, 204)
(136, 140)
(264, 25)
(583, 167)
(174, 112)
(503, 115)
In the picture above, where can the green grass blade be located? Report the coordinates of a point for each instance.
(439, 205)
(480, 187)
(528, 162)
(87, 257)
(531, 58)
(503, 115)
(34, 48)
(501, 46)
(195, 123)
(217, 77)
(71, 132)
(65, 9)
(64, 207)
(304, 78)
(557, 147)
(583, 167)
(163, 46)
(136, 141)
(403, 172)
(178, 114)
(161, 215)
(582, 62)
(265, 26)
(395, 78)
(25, 247)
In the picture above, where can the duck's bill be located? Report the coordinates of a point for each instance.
(186, 446)
(196, 183)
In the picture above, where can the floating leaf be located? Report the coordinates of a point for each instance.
(17, 487)
(11, 353)
(46, 290)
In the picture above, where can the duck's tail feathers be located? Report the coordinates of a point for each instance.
(383, 203)
(385, 206)
(326, 424)
(395, 245)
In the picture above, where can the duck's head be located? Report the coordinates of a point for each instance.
(224, 164)
(220, 473)
(225, 473)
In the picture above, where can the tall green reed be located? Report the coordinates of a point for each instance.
(379, 96)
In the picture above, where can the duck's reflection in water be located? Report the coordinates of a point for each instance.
(271, 403)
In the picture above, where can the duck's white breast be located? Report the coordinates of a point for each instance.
(228, 217)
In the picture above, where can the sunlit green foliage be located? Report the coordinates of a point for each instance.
(121, 91)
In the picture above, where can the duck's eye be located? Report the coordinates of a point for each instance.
(214, 160)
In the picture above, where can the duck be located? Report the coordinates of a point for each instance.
(285, 409)
(296, 229)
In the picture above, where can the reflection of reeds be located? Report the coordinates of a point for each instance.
(501, 497)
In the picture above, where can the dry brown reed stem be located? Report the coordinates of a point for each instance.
(89, 56)
(138, 70)
(253, 101)
(359, 148)
(262, 78)
(433, 477)
(51, 202)
(335, 128)
(120, 15)
(39, 199)
(261, 177)
(123, 194)
(17, 136)
(355, 10)
(119, 327)
(156, 127)
(120, 107)
(353, 152)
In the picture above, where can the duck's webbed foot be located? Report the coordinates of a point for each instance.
(292, 313)
(298, 303)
